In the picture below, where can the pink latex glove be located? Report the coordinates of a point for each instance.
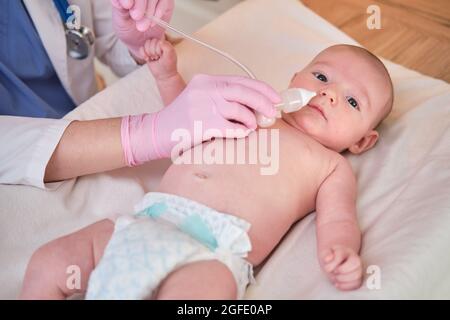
(131, 25)
(213, 100)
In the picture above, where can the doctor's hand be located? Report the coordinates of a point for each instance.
(210, 106)
(133, 27)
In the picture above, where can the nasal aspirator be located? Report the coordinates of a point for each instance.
(293, 99)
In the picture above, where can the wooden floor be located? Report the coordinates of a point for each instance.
(414, 33)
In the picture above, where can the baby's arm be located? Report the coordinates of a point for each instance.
(48, 271)
(162, 61)
(338, 234)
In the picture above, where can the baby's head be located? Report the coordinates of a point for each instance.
(354, 94)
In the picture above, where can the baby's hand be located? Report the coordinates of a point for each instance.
(161, 58)
(343, 266)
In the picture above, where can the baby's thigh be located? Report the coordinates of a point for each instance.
(83, 249)
(209, 279)
(66, 263)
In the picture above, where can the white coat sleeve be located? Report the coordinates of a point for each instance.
(26, 145)
(108, 48)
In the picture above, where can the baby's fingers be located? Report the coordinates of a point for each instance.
(327, 256)
(351, 264)
(348, 285)
(151, 49)
(158, 47)
(348, 277)
(338, 257)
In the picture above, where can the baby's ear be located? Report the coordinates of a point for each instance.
(365, 143)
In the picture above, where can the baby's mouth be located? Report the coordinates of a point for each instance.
(318, 109)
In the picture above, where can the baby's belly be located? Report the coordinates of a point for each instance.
(271, 203)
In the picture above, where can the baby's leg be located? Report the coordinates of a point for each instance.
(47, 272)
(209, 279)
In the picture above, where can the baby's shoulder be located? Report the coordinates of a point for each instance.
(340, 168)
(328, 159)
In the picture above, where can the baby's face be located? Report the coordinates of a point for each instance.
(351, 95)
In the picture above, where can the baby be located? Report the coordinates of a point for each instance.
(207, 225)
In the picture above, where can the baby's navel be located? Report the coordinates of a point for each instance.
(201, 175)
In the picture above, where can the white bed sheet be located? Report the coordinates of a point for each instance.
(403, 183)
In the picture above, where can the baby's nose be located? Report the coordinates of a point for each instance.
(329, 95)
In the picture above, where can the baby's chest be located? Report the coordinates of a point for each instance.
(303, 159)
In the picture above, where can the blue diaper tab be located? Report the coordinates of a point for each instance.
(154, 211)
(191, 224)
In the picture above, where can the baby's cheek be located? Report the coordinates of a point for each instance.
(302, 81)
(348, 129)
(341, 132)
(332, 138)
(344, 134)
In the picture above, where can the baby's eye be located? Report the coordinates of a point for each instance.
(320, 76)
(353, 102)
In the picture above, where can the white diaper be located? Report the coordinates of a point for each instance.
(167, 232)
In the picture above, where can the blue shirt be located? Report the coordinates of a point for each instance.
(29, 85)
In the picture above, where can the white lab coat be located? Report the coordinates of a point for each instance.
(26, 144)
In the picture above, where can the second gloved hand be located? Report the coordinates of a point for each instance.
(132, 26)
(218, 102)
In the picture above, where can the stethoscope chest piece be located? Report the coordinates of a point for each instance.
(79, 42)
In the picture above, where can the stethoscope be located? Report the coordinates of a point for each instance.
(79, 40)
